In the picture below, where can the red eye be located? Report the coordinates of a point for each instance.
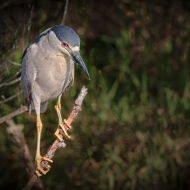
(65, 44)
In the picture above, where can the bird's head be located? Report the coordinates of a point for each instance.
(67, 41)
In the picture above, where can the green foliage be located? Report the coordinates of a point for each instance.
(128, 136)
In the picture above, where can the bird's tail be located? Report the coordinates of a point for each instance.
(43, 107)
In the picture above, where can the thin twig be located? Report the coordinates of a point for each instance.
(10, 98)
(16, 74)
(57, 144)
(30, 17)
(10, 83)
(7, 81)
(65, 12)
(16, 131)
(13, 114)
(14, 63)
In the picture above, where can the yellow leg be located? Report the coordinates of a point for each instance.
(61, 123)
(39, 169)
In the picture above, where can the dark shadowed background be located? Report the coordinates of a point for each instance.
(134, 129)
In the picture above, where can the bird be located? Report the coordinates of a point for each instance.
(47, 70)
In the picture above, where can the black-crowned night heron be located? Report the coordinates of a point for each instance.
(47, 71)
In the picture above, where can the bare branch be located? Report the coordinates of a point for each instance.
(65, 12)
(13, 114)
(10, 83)
(14, 63)
(16, 131)
(10, 98)
(57, 144)
(30, 17)
(16, 74)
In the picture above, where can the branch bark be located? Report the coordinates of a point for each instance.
(59, 144)
(16, 131)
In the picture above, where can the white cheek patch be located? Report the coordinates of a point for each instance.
(53, 40)
(76, 48)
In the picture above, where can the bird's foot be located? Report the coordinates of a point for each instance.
(42, 167)
(62, 126)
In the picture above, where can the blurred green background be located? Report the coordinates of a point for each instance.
(134, 129)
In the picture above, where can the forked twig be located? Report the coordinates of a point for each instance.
(57, 144)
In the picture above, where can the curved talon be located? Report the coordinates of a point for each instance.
(47, 159)
(62, 126)
(58, 135)
(42, 170)
(66, 123)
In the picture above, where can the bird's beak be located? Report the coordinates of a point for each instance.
(78, 60)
